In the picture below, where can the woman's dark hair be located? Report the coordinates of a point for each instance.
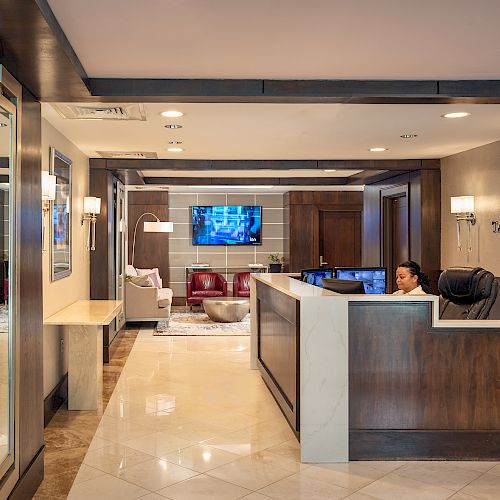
(414, 269)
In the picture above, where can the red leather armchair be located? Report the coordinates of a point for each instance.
(203, 285)
(241, 285)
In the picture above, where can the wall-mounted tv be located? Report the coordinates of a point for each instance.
(227, 225)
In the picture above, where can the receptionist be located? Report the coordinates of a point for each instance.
(411, 280)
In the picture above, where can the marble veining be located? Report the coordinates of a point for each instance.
(86, 312)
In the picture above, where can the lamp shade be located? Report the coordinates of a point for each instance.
(462, 204)
(158, 227)
(91, 205)
(48, 186)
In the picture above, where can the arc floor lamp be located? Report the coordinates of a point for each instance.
(156, 226)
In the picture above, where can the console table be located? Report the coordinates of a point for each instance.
(84, 320)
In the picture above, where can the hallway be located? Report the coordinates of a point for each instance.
(188, 420)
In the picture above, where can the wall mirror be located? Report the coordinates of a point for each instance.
(60, 248)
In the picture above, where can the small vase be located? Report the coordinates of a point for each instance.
(275, 268)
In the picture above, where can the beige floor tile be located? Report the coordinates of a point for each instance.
(359, 496)
(446, 474)
(255, 496)
(299, 487)
(196, 431)
(152, 496)
(351, 476)
(106, 487)
(158, 444)
(118, 431)
(250, 472)
(269, 458)
(86, 472)
(204, 488)
(112, 459)
(394, 487)
(485, 487)
(155, 474)
(98, 443)
(462, 496)
(492, 470)
(289, 449)
(201, 458)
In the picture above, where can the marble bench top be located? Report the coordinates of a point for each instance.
(86, 312)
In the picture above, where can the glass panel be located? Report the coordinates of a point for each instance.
(6, 389)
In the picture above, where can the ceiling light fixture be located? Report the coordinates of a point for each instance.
(175, 142)
(173, 125)
(328, 170)
(3, 124)
(408, 136)
(232, 187)
(175, 150)
(458, 114)
(377, 150)
(172, 114)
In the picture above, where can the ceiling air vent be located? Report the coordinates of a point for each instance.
(128, 155)
(101, 112)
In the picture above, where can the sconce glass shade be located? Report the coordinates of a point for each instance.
(48, 186)
(158, 227)
(91, 205)
(462, 204)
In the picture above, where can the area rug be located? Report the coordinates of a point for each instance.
(186, 324)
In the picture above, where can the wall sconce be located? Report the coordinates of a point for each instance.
(91, 208)
(463, 208)
(48, 195)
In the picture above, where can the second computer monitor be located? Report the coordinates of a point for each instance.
(374, 278)
(314, 276)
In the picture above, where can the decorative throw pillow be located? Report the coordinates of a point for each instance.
(154, 278)
(141, 281)
(145, 272)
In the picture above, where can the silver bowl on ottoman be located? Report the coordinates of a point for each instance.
(226, 309)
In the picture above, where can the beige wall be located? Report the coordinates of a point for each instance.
(474, 172)
(63, 292)
(182, 253)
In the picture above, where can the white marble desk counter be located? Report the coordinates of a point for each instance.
(86, 312)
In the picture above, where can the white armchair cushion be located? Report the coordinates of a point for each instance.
(141, 281)
(145, 272)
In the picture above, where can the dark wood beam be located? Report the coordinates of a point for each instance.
(247, 181)
(372, 176)
(163, 164)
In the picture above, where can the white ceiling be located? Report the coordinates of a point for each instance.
(360, 39)
(290, 131)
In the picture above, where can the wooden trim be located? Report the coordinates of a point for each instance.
(31, 479)
(55, 399)
(423, 445)
(311, 164)
(105, 344)
(247, 181)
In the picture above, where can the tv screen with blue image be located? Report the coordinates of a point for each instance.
(374, 278)
(227, 225)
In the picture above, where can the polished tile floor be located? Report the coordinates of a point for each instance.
(188, 420)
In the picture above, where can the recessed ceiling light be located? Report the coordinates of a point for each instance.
(329, 170)
(377, 150)
(3, 124)
(175, 150)
(458, 114)
(172, 114)
(408, 136)
(175, 142)
(173, 125)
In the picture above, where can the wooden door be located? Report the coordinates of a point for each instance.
(340, 238)
(396, 246)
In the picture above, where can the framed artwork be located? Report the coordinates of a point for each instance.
(60, 248)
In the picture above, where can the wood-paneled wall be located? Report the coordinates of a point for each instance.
(151, 249)
(301, 246)
(424, 220)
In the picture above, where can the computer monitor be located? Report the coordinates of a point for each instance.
(314, 276)
(343, 286)
(374, 278)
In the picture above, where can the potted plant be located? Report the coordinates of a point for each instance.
(275, 262)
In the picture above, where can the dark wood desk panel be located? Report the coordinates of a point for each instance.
(417, 391)
(278, 348)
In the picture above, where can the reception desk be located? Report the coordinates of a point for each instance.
(366, 377)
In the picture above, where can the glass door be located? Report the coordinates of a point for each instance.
(8, 141)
